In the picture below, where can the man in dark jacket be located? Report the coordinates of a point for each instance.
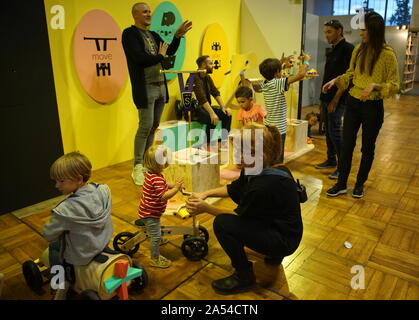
(337, 62)
(145, 51)
(204, 88)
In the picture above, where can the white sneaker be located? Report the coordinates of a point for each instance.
(138, 174)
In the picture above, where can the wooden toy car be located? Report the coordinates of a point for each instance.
(91, 282)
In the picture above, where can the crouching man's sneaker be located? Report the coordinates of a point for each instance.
(358, 192)
(336, 190)
(239, 281)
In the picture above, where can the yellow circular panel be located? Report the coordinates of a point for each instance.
(215, 45)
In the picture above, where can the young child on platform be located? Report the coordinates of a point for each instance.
(80, 226)
(249, 111)
(273, 89)
(312, 119)
(156, 192)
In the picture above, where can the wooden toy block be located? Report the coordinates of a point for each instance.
(182, 213)
(121, 269)
(296, 139)
(122, 292)
(118, 283)
(200, 170)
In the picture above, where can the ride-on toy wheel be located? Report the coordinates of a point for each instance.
(139, 283)
(194, 248)
(203, 233)
(33, 275)
(120, 239)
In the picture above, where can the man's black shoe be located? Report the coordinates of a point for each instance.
(358, 192)
(325, 165)
(240, 281)
(336, 190)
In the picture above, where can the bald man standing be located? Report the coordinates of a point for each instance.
(145, 51)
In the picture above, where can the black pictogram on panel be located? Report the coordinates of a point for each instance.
(217, 64)
(103, 67)
(105, 42)
(166, 32)
(168, 19)
(216, 46)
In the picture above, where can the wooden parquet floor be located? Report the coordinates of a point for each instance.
(383, 228)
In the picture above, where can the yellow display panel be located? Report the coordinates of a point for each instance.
(215, 45)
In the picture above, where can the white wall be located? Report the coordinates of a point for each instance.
(395, 38)
(310, 93)
(270, 28)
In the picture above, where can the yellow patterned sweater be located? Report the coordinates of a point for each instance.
(385, 73)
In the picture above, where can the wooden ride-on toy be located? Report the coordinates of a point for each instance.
(195, 237)
(92, 282)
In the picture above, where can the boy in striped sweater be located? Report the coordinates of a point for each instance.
(156, 192)
(273, 89)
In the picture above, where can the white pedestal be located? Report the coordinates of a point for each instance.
(296, 139)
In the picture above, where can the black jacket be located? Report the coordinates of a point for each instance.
(138, 59)
(270, 198)
(337, 62)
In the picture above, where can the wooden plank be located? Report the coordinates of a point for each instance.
(401, 239)
(405, 220)
(398, 260)
(198, 287)
(367, 228)
(361, 250)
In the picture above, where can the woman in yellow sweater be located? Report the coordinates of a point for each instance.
(372, 75)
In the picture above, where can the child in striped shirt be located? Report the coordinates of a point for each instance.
(273, 89)
(156, 192)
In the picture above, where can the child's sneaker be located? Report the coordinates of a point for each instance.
(160, 262)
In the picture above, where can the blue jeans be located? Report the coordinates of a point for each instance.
(54, 253)
(149, 120)
(203, 117)
(333, 125)
(154, 232)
